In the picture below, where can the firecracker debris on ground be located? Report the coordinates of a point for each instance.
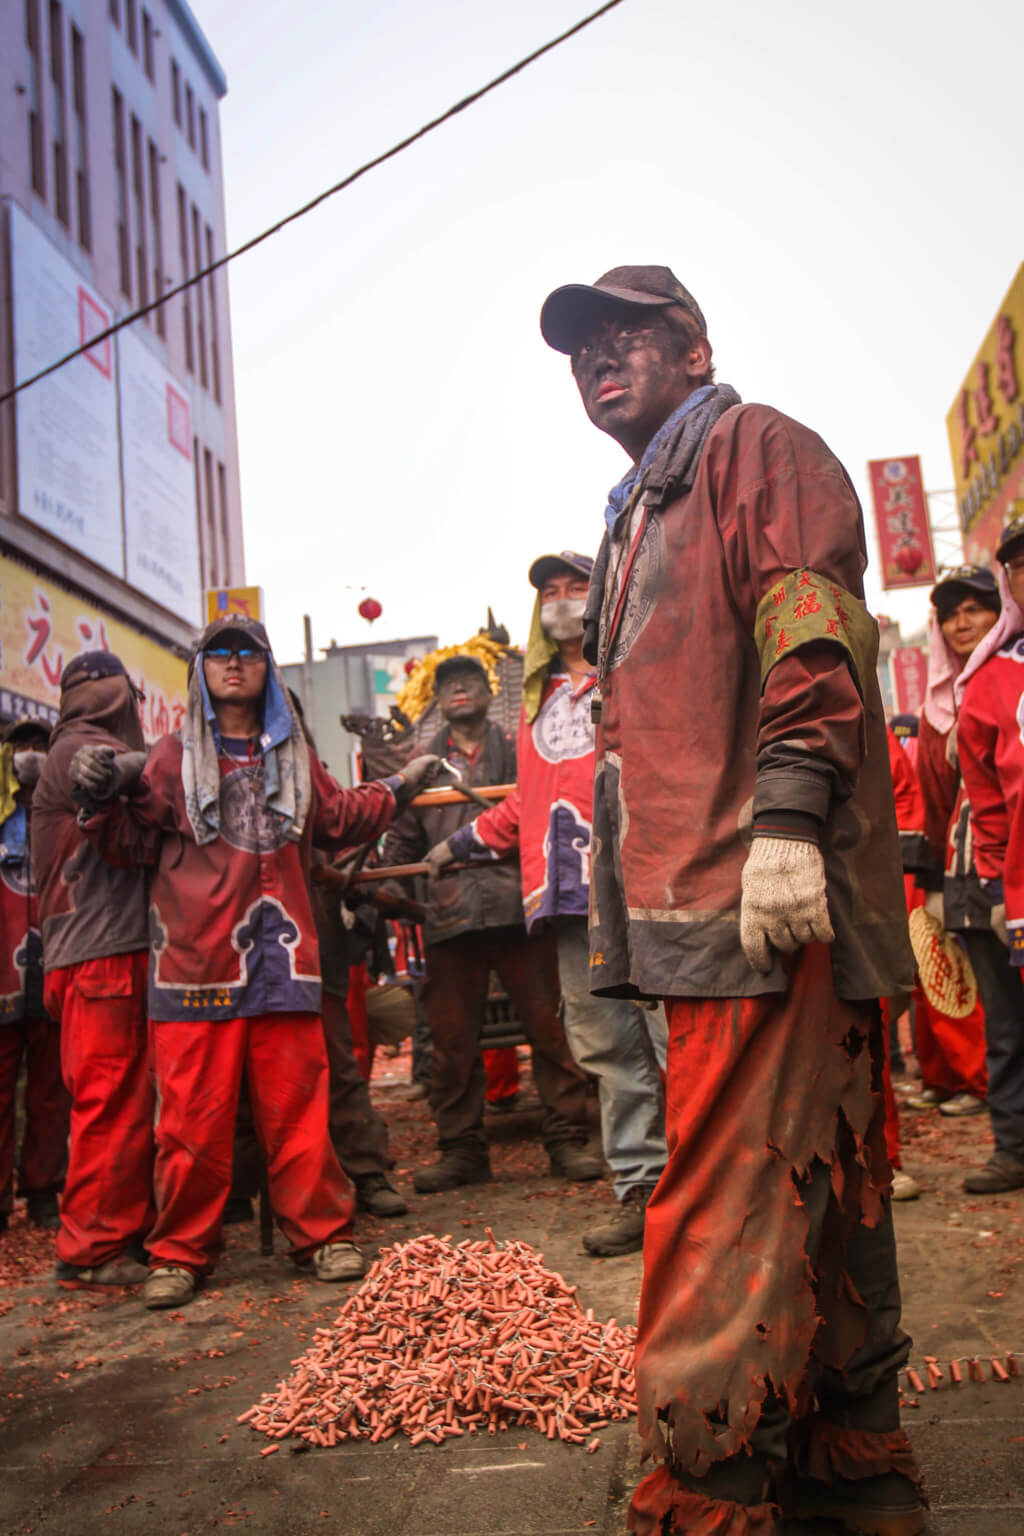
(113, 1418)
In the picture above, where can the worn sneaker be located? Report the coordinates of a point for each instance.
(44, 1210)
(571, 1160)
(452, 1170)
(168, 1286)
(374, 1193)
(904, 1185)
(887, 1505)
(122, 1270)
(962, 1104)
(1000, 1173)
(339, 1261)
(415, 1092)
(928, 1098)
(625, 1232)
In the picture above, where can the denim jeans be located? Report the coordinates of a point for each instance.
(623, 1045)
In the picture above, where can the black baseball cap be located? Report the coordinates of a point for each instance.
(904, 727)
(87, 666)
(1011, 535)
(546, 566)
(25, 730)
(453, 664)
(567, 311)
(965, 581)
(235, 624)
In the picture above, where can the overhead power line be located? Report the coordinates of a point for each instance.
(300, 213)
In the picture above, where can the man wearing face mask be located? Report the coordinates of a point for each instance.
(474, 925)
(547, 821)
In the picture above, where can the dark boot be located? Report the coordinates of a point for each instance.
(375, 1194)
(1000, 1173)
(44, 1210)
(625, 1232)
(238, 1209)
(571, 1160)
(887, 1505)
(456, 1167)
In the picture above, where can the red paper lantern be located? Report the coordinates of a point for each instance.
(910, 557)
(370, 609)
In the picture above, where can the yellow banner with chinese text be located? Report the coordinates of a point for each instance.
(986, 429)
(42, 627)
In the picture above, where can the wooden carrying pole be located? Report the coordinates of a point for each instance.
(445, 796)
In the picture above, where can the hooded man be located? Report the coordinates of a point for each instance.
(27, 1034)
(546, 820)
(746, 869)
(93, 924)
(990, 692)
(474, 925)
(226, 814)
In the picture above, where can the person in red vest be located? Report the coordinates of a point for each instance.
(28, 1036)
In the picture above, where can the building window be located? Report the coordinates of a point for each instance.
(190, 116)
(36, 150)
(156, 237)
(60, 143)
(225, 542)
(81, 142)
(204, 140)
(114, 7)
(211, 289)
(197, 266)
(139, 200)
(176, 91)
(208, 557)
(186, 298)
(131, 25)
(148, 63)
(121, 178)
(211, 517)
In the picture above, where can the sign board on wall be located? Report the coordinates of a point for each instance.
(222, 600)
(42, 627)
(161, 537)
(66, 425)
(908, 666)
(986, 430)
(901, 518)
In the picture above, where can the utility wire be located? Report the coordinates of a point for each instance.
(370, 165)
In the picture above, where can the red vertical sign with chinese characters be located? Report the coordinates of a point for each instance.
(901, 518)
(908, 666)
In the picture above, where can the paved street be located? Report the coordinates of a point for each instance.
(118, 1420)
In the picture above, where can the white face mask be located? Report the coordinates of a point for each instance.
(562, 618)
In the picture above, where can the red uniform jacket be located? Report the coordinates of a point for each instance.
(231, 930)
(547, 817)
(990, 736)
(737, 667)
(21, 947)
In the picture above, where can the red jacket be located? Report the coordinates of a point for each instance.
(547, 818)
(231, 927)
(990, 737)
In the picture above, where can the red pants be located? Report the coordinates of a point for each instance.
(501, 1068)
(769, 1260)
(108, 1195)
(951, 1052)
(198, 1068)
(44, 1144)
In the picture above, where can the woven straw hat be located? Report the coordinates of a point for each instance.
(947, 977)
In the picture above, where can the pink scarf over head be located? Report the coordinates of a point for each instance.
(944, 667)
(1009, 624)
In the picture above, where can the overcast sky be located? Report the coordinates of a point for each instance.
(837, 185)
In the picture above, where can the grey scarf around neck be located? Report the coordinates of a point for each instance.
(671, 469)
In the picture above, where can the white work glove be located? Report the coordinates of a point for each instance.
(439, 857)
(997, 920)
(935, 906)
(27, 768)
(102, 773)
(419, 771)
(784, 903)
